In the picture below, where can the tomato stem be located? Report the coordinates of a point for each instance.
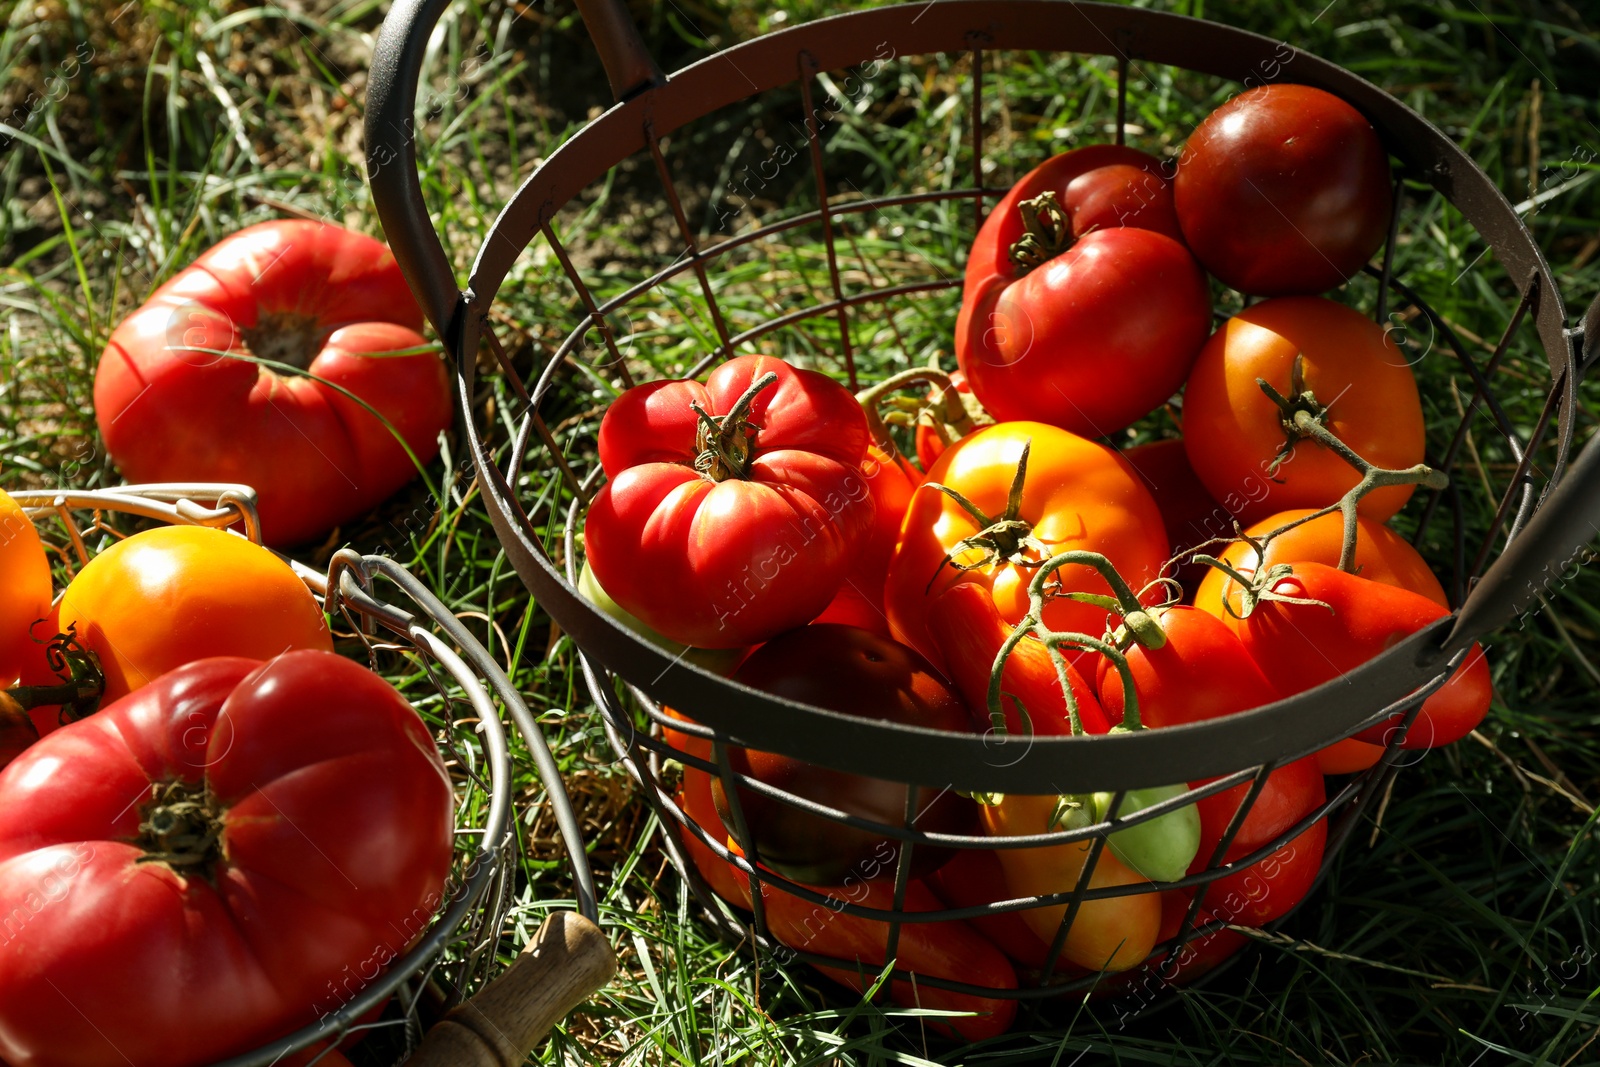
(725, 442)
(1047, 232)
(1006, 539)
(1303, 418)
(82, 680)
(953, 422)
(181, 826)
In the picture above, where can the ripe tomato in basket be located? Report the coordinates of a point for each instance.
(1355, 376)
(174, 594)
(175, 403)
(25, 577)
(1302, 645)
(1075, 494)
(196, 866)
(1083, 310)
(891, 480)
(858, 673)
(1283, 189)
(734, 509)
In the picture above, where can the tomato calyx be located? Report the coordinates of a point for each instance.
(1007, 538)
(290, 337)
(950, 412)
(79, 691)
(1047, 232)
(181, 826)
(725, 442)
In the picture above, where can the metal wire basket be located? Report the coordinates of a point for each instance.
(1547, 511)
(458, 953)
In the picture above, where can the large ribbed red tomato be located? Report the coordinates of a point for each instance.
(204, 865)
(1089, 317)
(173, 407)
(723, 527)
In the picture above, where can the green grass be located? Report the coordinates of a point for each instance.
(1459, 929)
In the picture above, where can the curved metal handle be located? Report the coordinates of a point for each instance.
(390, 134)
(1534, 562)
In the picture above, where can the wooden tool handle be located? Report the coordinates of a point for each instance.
(568, 960)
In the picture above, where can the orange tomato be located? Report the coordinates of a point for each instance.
(175, 594)
(1077, 495)
(1233, 430)
(1113, 933)
(25, 579)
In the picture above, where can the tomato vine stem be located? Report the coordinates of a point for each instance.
(1047, 232)
(953, 422)
(79, 690)
(724, 442)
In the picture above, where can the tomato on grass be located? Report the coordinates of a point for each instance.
(180, 393)
(222, 845)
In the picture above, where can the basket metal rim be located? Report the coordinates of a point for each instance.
(762, 721)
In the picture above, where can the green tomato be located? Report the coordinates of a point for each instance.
(717, 660)
(1162, 848)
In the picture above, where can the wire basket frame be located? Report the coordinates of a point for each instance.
(456, 953)
(1538, 521)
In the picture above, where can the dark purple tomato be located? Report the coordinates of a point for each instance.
(1285, 189)
(857, 672)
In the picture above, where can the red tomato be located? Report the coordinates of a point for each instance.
(951, 950)
(1201, 954)
(1290, 794)
(858, 673)
(25, 576)
(1034, 340)
(1233, 431)
(1077, 495)
(891, 480)
(1301, 646)
(309, 294)
(1269, 888)
(975, 877)
(760, 540)
(1202, 672)
(222, 845)
(969, 633)
(174, 594)
(1188, 511)
(1382, 556)
(1283, 189)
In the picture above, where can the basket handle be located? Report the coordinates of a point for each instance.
(1535, 560)
(389, 131)
(567, 961)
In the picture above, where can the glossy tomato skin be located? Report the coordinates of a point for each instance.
(1271, 887)
(721, 564)
(1091, 341)
(1201, 954)
(1232, 430)
(174, 594)
(25, 577)
(1188, 510)
(1283, 189)
(974, 876)
(951, 950)
(336, 819)
(1127, 286)
(1301, 646)
(1382, 556)
(1202, 672)
(858, 673)
(313, 294)
(1077, 495)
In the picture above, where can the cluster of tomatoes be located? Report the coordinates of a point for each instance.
(217, 830)
(1030, 578)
